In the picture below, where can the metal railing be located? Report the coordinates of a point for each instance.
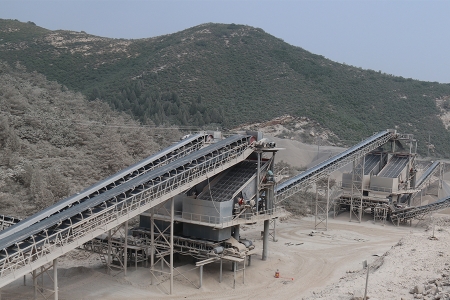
(310, 176)
(348, 186)
(39, 248)
(417, 211)
(162, 158)
(224, 222)
(7, 221)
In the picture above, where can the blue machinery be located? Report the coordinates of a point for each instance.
(37, 241)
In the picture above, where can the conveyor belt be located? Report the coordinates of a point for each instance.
(297, 183)
(34, 246)
(180, 149)
(413, 212)
(427, 174)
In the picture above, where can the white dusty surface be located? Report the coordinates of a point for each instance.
(312, 266)
(299, 154)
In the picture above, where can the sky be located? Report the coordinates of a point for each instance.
(405, 38)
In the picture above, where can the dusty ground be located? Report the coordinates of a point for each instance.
(313, 265)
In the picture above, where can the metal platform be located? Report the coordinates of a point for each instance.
(205, 220)
(29, 249)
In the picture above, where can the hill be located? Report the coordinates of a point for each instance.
(54, 143)
(224, 75)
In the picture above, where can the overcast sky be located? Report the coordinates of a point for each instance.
(401, 37)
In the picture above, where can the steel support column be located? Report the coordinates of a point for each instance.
(322, 208)
(236, 232)
(35, 285)
(152, 244)
(125, 249)
(109, 261)
(356, 207)
(265, 239)
(162, 246)
(55, 278)
(258, 170)
(172, 213)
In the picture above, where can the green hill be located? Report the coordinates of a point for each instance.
(224, 75)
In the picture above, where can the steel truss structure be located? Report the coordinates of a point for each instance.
(40, 289)
(323, 205)
(162, 158)
(106, 206)
(357, 192)
(424, 181)
(419, 212)
(65, 231)
(303, 180)
(380, 213)
(117, 249)
(7, 221)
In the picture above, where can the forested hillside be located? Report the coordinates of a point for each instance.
(54, 143)
(224, 75)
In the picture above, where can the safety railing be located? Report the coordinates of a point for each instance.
(348, 186)
(310, 176)
(7, 221)
(162, 158)
(223, 222)
(413, 212)
(37, 248)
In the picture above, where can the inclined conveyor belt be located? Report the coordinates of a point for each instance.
(427, 174)
(412, 212)
(160, 179)
(313, 174)
(169, 154)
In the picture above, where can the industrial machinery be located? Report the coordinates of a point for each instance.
(191, 199)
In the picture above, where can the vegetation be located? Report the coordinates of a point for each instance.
(224, 75)
(54, 143)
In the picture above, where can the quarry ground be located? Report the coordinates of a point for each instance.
(313, 264)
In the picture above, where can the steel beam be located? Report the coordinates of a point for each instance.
(60, 242)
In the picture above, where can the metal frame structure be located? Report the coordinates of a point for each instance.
(161, 247)
(7, 221)
(380, 213)
(323, 207)
(92, 218)
(420, 211)
(357, 192)
(162, 158)
(82, 218)
(116, 250)
(39, 288)
(303, 180)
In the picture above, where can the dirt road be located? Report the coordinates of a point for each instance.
(307, 260)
